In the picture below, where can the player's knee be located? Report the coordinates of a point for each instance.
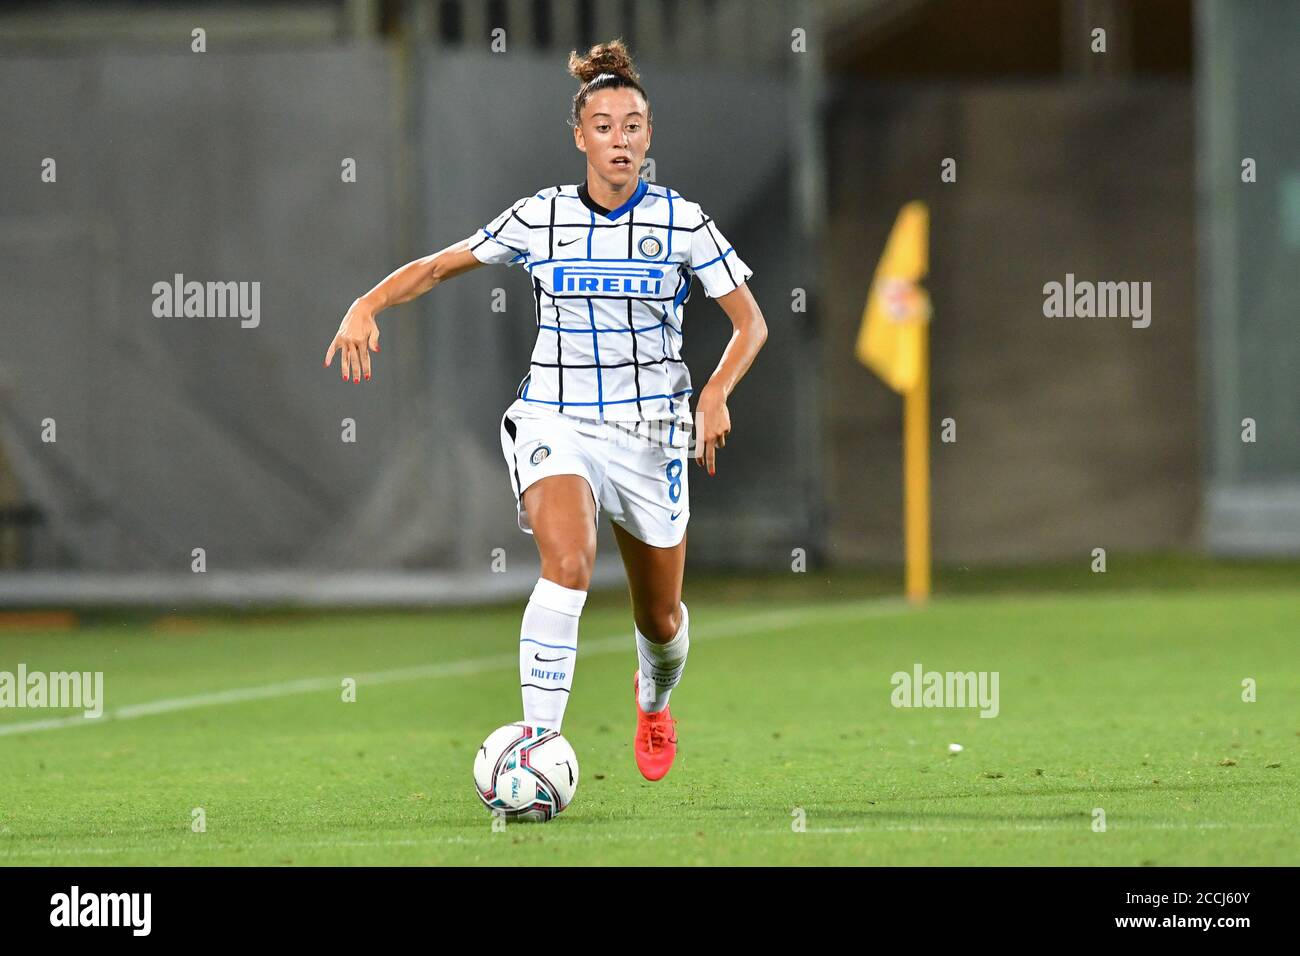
(661, 622)
(571, 569)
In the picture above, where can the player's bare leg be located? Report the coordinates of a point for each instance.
(563, 517)
(654, 578)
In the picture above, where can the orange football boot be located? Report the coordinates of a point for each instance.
(655, 744)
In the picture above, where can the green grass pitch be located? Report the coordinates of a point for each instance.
(1128, 702)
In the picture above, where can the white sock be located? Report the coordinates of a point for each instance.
(661, 666)
(548, 649)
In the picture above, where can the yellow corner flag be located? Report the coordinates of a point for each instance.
(893, 342)
(893, 322)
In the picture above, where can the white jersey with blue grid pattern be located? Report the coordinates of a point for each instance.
(609, 288)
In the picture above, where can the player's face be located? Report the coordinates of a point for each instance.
(615, 134)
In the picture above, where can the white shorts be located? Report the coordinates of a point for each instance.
(640, 481)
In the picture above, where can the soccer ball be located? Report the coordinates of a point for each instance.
(526, 773)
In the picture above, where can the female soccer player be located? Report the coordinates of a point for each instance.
(602, 420)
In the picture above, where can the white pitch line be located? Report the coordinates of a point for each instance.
(755, 623)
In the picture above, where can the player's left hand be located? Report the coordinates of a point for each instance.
(712, 424)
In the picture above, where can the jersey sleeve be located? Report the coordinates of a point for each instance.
(719, 266)
(504, 239)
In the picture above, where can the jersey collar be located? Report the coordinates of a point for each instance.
(641, 188)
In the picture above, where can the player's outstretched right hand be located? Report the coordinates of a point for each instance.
(357, 337)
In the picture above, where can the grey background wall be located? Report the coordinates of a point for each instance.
(1070, 433)
(175, 433)
(1250, 246)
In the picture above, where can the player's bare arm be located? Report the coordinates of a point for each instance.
(749, 332)
(358, 333)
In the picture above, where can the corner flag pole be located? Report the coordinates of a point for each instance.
(916, 477)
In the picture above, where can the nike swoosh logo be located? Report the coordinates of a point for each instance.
(675, 517)
(567, 242)
(546, 660)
